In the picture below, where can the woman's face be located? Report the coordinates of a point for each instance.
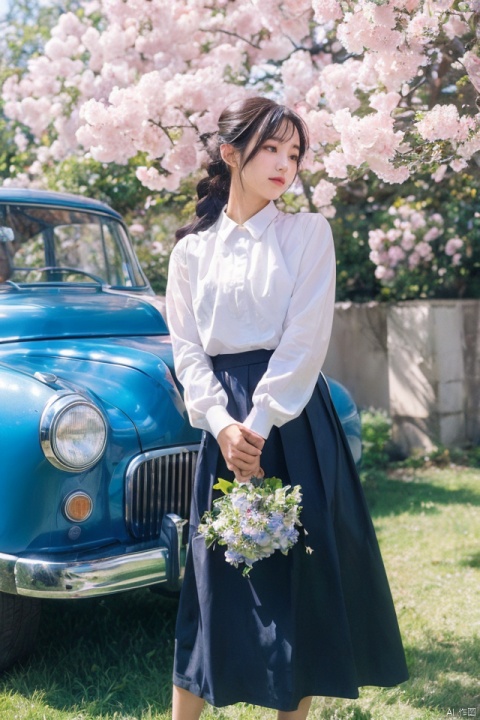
(273, 169)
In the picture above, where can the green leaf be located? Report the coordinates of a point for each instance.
(224, 485)
(272, 483)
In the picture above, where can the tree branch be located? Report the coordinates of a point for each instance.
(232, 34)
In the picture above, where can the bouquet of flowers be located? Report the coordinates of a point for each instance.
(253, 520)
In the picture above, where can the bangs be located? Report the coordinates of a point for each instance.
(280, 124)
(284, 133)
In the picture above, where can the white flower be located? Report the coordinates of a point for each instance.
(253, 521)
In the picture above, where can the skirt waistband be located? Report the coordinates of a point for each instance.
(250, 357)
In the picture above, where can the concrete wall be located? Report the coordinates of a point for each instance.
(419, 361)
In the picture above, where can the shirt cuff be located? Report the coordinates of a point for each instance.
(218, 418)
(259, 421)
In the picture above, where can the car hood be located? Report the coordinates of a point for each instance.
(133, 374)
(63, 311)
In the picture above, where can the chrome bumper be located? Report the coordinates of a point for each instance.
(41, 578)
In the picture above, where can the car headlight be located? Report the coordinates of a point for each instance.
(73, 433)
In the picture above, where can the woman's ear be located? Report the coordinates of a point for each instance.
(229, 155)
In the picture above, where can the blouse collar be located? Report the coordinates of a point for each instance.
(256, 225)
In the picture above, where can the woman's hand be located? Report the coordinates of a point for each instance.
(241, 449)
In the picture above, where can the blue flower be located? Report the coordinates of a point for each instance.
(253, 521)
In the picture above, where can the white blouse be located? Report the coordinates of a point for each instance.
(270, 284)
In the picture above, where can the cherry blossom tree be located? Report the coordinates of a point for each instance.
(388, 89)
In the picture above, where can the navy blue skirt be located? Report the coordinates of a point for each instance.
(301, 624)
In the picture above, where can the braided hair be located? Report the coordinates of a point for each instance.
(238, 124)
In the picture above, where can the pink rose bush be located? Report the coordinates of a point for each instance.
(413, 244)
(145, 81)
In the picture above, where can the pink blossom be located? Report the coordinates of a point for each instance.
(297, 76)
(182, 158)
(320, 124)
(393, 70)
(338, 85)
(453, 245)
(329, 211)
(35, 113)
(424, 250)
(372, 140)
(395, 255)
(458, 165)
(443, 123)
(376, 239)
(131, 79)
(56, 49)
(408, 5)
(326, 10)
(21, 141)
(151, 178)
(22, 180)
(455, 27)
(393, 234)
(382, 15)
(313, 162)
(357, 33)
(417, 220)
(114, 42)
(246, 20)
(68, 24)
(422, 27)
(227, 55)
(297, 7)
(158, 248)
(413, 260)
(385, 102)
(43, 77)
(456, 259)
(439, 174)
(324, 193)
(408, 240)
(336, 165)
(403, 211)
(472, 66)
(470, 146)
(384, 273)
(432, 234)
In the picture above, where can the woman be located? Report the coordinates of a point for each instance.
(250, 301)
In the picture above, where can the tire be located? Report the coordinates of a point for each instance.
(19, 622)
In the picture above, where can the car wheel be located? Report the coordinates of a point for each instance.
(19, 622)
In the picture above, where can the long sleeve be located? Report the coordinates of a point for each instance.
(295, 365)
(205, 399)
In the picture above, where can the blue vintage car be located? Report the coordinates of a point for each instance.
(97, 456)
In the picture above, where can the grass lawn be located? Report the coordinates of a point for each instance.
(111, 658)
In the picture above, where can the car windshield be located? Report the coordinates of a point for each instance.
(51, 244)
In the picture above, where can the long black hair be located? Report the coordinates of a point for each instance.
(237, 125)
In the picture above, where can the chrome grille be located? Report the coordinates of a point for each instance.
(158, 482)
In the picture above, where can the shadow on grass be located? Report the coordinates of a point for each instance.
(393, 496)
(114, 655)
(101, 656)
(444, 675)
(471, 560)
